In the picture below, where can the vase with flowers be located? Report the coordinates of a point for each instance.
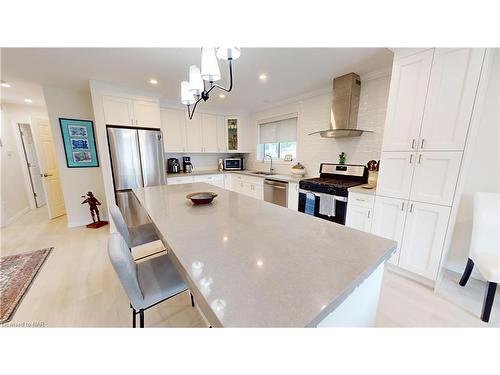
(342, 157)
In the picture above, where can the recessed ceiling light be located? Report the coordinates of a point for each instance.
(262, 77)
(222, 96)
(153, 81)
(28, 100)
(4, 84)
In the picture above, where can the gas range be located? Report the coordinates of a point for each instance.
(335, 179)
(326, 196)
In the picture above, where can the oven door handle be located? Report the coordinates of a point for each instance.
(336, 197)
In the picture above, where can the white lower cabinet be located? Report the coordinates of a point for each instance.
(180, 180)
(359, 217)
(423, 238)
(389, 221)
(216, 179)
(293, 196)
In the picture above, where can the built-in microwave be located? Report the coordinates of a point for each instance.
(233, 164)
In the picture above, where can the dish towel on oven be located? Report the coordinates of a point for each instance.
(310, 204)
(326, 204)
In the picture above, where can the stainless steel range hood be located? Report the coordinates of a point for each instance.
(344, 112)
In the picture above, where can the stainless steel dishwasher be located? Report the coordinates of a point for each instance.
(276, 192)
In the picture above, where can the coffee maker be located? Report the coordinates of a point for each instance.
(173, 165)
(186, 164)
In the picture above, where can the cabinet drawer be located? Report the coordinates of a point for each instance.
(363, 200)
(249, 179)
(209, 178)
(180, 180)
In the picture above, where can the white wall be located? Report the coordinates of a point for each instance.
(484, 173)
(314, 115)
(16, 190)
(75, 182)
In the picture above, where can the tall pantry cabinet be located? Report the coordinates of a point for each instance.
(430, 105)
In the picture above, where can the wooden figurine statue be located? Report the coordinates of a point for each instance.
(94, 210)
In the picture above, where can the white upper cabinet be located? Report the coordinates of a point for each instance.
(221, 134)
(423, 238)
(118, 111)
(173, 123)
(405, 107)
(146, 113)
(131, 112)
(359, 217)
(389, 221)
(209, 133)
(194, 134)
(395, 175)
(435, 177)
(450, 98)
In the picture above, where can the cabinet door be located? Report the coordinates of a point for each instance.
(395, 175)
(435, 177)
(405, 107)
(293, 196)
(118, 111)
(209, 133)
(173, 123)
(359, 217)
(232, 127)
(179, 180)
(221, 134)
(194, 134)
(450, 98)
(147, 114)
(423, 238)
(389, 221)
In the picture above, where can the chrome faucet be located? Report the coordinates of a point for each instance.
(271, 169)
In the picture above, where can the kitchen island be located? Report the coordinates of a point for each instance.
(250, 263)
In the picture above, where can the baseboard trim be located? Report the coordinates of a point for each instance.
(16, 216)
(410, 275)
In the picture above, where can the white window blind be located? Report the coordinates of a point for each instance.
(278, 131)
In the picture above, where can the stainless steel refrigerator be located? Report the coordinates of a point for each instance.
(137, 160)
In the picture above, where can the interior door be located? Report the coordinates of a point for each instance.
(405, 107)
(50, 172)
(35, 172)
(423, 238)
(450, 99)
(389, 221)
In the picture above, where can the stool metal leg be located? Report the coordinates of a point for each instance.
(141, 318)
(133, 317)
(489, 296)
(192, 299)
(467, 272)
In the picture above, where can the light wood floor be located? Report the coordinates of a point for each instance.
(77, 286)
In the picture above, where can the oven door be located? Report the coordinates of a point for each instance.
(340, 207)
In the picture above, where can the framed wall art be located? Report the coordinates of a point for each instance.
(79, 143)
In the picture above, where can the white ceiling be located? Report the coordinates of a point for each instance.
(291, 71)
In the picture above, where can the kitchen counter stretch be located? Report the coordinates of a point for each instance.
(250, 263)
(279, 177)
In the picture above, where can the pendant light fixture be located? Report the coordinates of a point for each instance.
(195, 90)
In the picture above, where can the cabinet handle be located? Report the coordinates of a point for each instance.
(411, 158)
(132, 121)
(368, 214)
(402, 206)
(419, 158)
(411, 207)
(413, 143)
(422, 145)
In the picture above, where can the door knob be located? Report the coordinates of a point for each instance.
(46, 175)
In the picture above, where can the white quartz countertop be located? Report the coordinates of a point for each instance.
(279, 177)
(251, 263)
(360, 189)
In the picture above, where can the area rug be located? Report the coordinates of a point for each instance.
(16, 275)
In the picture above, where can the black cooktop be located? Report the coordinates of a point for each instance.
(328, 185)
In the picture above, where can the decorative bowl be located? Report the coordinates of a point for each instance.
(202, 197)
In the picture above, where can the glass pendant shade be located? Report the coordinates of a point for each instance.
(228, 53)
(195, 81)
(209, 66)
(186, 97)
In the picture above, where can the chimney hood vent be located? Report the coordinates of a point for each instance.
(344, 112)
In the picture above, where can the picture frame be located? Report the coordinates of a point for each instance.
(79, 143)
